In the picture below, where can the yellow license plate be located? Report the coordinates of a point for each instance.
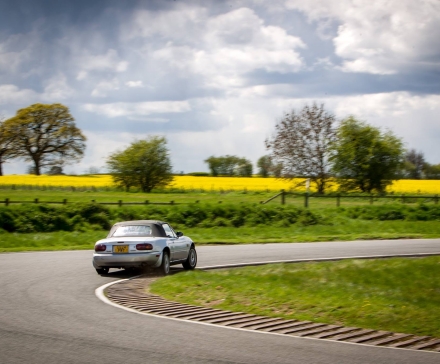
(120, 249)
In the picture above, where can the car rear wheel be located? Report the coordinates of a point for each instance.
(191, 261)
(164, 268)
(102, 270)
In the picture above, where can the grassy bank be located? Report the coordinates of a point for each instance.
(60, 240)
(45, 227)
(353, 230)
(401, 295)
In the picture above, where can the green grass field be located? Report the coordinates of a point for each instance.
(115, 196)
(400, 295)
(189, 197)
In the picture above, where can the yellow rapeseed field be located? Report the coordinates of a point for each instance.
(233, 183)
(62, 181)
(211, 183)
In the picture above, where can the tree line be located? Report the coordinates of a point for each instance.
(311, 143)
(308, 143)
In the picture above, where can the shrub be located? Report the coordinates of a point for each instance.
(308, 218)
(100, 219)
(41, 218)
(7, 219)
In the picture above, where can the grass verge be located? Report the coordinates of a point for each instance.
(400, 295)
(60, 240)
(350, 230)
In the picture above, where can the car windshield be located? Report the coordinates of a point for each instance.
(133, 230)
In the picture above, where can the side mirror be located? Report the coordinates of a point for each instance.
(179, 234)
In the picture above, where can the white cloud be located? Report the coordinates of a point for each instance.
(109, 61)
(57, 88)
(104, 87)
(222, 49)
(9, 61)
(138, 110)
(17, 49)
(380, 37)
(99, 146)
(11, 94)
(411, 117)
(386, 105)
(134, 84)
(183, 23)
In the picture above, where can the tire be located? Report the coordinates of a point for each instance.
(164, 268)
(102, 270)
(191, 261)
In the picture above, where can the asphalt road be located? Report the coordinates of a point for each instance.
(49, 314)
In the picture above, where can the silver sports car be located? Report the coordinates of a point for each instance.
(143, 243)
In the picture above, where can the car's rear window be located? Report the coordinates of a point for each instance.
(133, 230)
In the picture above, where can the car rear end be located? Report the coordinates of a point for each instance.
(127, 252)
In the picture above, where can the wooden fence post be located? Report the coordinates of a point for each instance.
(338, 200)
(306, 199)
(65, 201)
(6, 201)
(120, 203)
(436, 199)
(283, 197)
(36, 200)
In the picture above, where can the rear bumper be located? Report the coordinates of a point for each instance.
(126, 260)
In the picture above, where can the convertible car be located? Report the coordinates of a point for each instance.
(144, 243)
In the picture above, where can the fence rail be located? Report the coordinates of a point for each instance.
(8, 202)
(283, 195)
(339, 197)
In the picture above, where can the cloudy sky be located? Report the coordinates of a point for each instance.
(215, 76)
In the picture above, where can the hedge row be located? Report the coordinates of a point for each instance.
(394, 212)
(80, 217)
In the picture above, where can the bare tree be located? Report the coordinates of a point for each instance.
(302, 144)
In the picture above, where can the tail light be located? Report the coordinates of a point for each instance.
(100, 248)
(144, 246)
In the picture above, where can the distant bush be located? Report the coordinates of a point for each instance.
(198, 174)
